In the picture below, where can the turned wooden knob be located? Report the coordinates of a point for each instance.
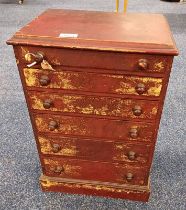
(129, 176)
(53, 125)
(140, 88)
(47, 103)
(44, 80)
(34, 58)
(143, 64)
(55, 148)
(131, 155)
(31, 57)
(133, 133)
(137, 110)
(57, 169)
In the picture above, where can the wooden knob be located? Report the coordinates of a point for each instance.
(133, 133)
(44, 80)
(47, 103)
(34, 57)
(55, 148)
(137, 110)
(57, 169)
(53, 125)
(131, 155)
(140, 88)
(143, 64)
(129, 176)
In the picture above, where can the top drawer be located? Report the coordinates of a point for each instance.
(95, 59)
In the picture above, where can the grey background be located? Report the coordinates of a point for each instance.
(19, 163)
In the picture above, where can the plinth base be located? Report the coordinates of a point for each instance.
(74, 186)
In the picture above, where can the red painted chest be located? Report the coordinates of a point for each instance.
(95, 84)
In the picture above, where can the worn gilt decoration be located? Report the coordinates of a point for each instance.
(95, 84)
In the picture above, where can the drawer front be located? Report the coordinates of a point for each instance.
(93, 82)
(96, 128)
(92, 170)
(87, 149)
(93, 105)
(98, 59)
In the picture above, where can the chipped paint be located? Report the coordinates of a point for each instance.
(68, 147)
(119, 153)
(28, 57)
(69, 151)
(69, 126)
(46, 183)
(72, 170)
(25, 51)
(38, 104)
(56, 62)
(89, 127)
(63, 80)
(119, 156)
(46, 66)
(154, 111)
(39, 121)
(159, 66)
(153, 85)
(93, 105)
(65, 83)
(119, 84)
(30, 78)
(17, 61)
(114, 76)
(44, 145)
(119, 146)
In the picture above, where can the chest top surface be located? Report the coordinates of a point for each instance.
(146, 33)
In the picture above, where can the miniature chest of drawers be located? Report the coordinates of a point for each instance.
(95, 84)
